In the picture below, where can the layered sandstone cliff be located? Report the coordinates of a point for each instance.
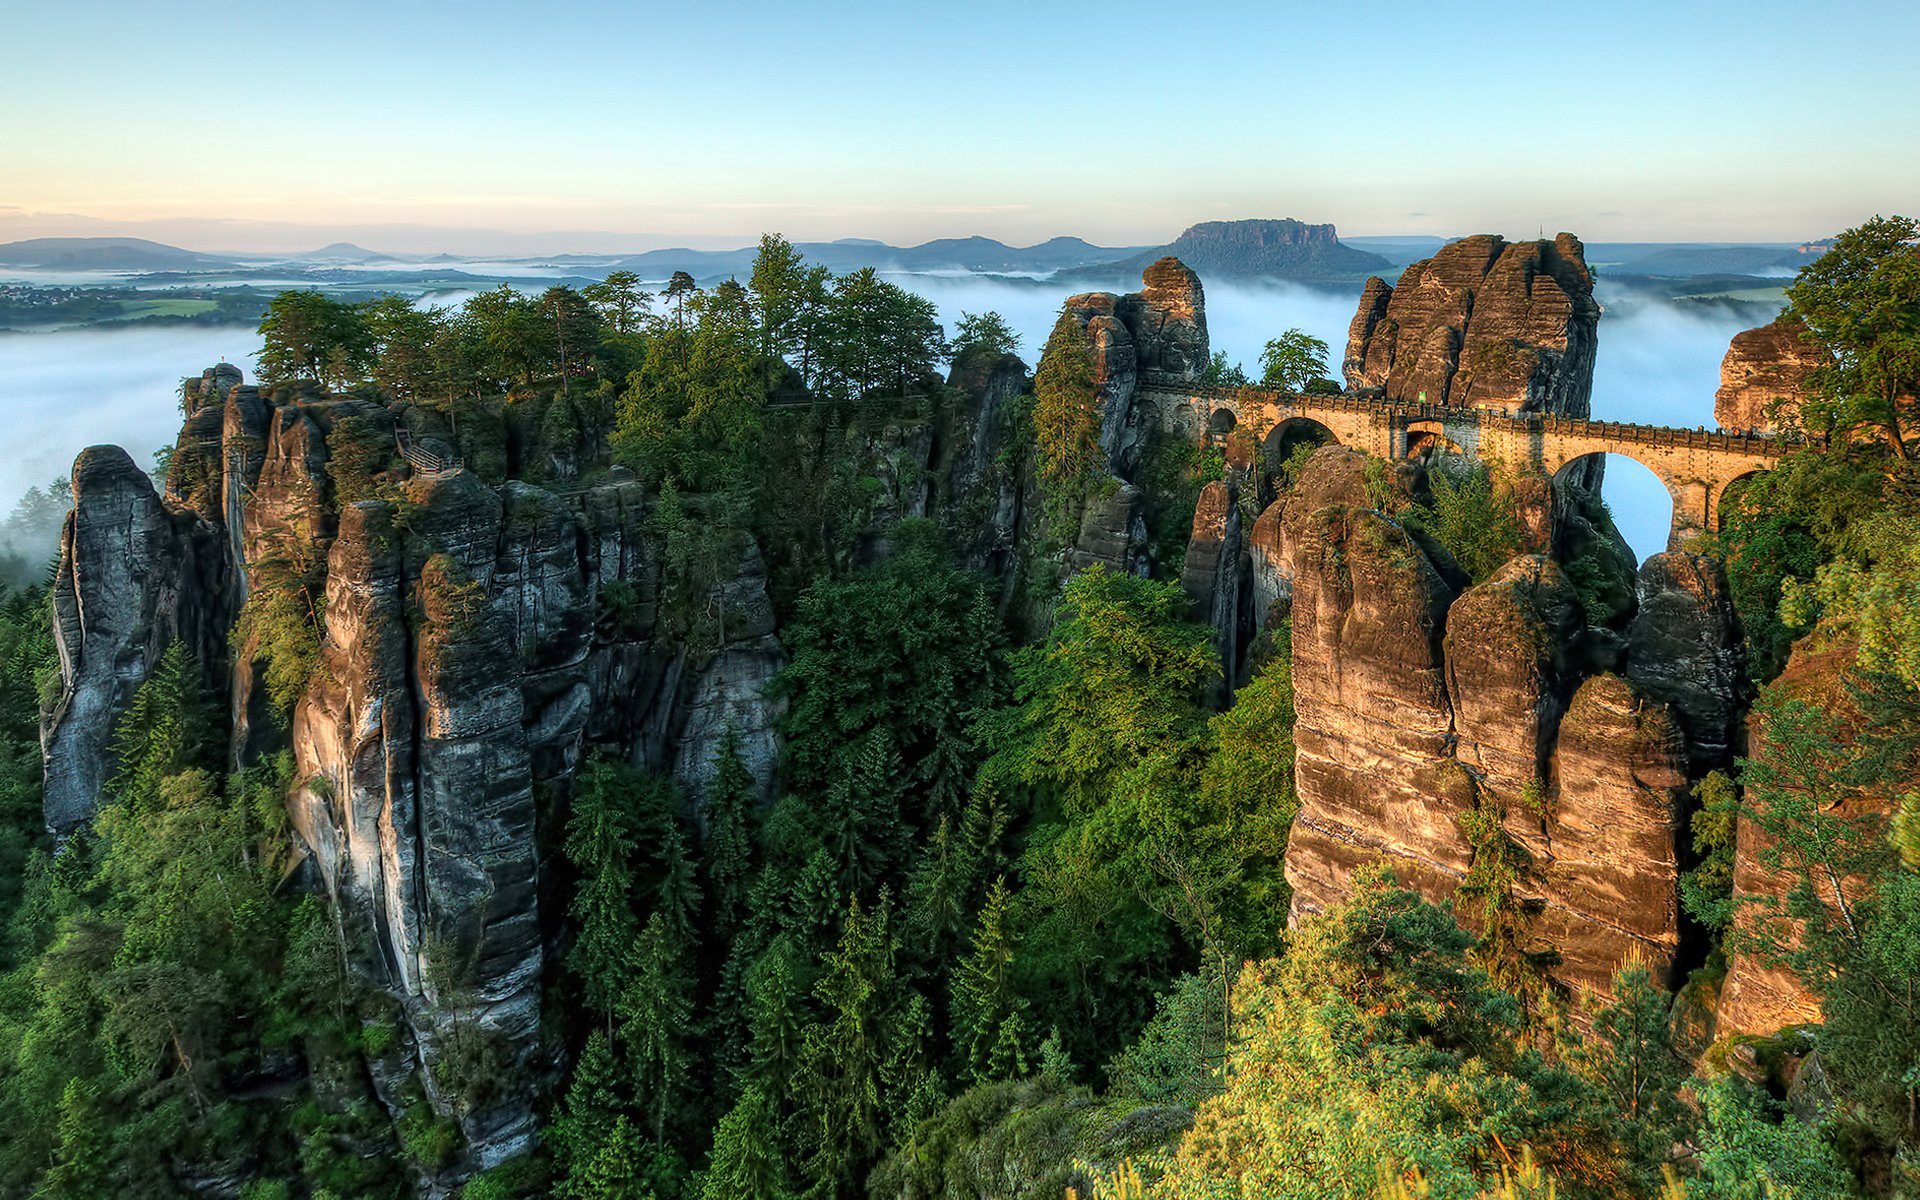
(1764, 367)
(1421, 701)
(1483, 323)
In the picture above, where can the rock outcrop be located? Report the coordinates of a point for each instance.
(1210, 575)
(1684, 649)
(1606, 856)
(1162, 328)
(1254, 249)
(1482, 323)
(1419, 700)
(134, 577)
(1762, 367)
(479, 639)
(1759, 995)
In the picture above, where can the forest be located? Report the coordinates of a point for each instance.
(1015, 921)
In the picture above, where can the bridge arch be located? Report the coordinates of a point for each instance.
(1287, 436)
(1649, 509)
(1423, 436)
(1729, 493)
(1221, 422)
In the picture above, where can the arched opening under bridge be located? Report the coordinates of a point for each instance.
(1640, 503)
(1292, 439)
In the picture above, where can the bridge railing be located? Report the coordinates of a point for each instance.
(1762, 445)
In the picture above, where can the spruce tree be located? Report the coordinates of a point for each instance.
(987, 1013)
(746, 1163)
(726, 859)
(601, 845)
(656, 1012)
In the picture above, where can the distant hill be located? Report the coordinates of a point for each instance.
(977, 255)
(1254, 249)
(1683, 260)
(345, 252)
(102, 254)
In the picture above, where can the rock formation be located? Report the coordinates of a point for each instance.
(1760, 996)
(1482, 323)
(1210, 575)
(1763, 366)
(1684, 649)
(1254, 249)
(479, 637)
(1419, 700)
(134, 577)
(1161, 328)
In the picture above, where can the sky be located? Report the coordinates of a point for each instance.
(494, 127)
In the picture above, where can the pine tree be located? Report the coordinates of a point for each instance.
(656, 1011)
(601, 846)
(746, 1163)
(1629, 1057)
(726, 860)
(986, 1011)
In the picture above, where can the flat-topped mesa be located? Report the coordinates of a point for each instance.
(1764, 367)
(1484, 323)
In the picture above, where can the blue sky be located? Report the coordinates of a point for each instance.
(587, 126)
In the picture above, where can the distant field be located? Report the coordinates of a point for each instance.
(133, 310)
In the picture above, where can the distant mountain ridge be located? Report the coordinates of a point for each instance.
(1254, 249)
(103, 254)
(976, 255)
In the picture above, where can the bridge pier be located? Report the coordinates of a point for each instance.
(1693, 511)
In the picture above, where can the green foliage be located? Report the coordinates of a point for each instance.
(355, 454)
(1782, 525)
(746, 1159)
(1066, 419)
(908, 650)
(987, 1013)
(1468, 517)
(1372, 1044)
(306, 335)
(1861, 304)
(1180, 1057)
(1222, 374)
(1628, 1058)
(1293, 360)
(1749, 1152)
(1706, 890)
(984, 334)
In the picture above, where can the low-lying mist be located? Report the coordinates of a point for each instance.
(1659, 362)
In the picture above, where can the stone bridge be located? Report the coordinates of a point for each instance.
(1696, 466)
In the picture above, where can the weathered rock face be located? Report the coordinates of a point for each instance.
(1161, 328)
(479, 639)
(1759, 997)
(1373, 722)
(1113, 533)
(1684, 649)
(1419, 699)
(1762, 366)
(133, 578)
(1512, 652)
(1605, 856)
(1168, 320)
(1482, 323)
(1210, 574)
